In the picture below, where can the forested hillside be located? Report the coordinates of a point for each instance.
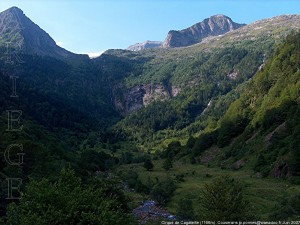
(256, 141)
(263, 123)
(186, 90)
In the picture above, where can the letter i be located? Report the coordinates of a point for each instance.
(14, 87)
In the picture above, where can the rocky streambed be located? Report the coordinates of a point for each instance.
(151, 210)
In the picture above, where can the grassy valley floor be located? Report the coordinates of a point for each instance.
(262, 193)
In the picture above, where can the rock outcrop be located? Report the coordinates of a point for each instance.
(130, 100)
(145, 45)
(213, 26)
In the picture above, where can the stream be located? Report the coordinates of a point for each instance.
(151, 210)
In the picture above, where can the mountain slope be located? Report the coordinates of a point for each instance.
(22, 34)
(235, 90)
(262, 126)
(145, 45)
(180, 91)
(213, 26)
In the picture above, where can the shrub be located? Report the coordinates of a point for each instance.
(223, 200)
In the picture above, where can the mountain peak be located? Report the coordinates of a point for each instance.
(215, 25)
(14, 9)
(13, 12)
(20, 32)
(219, 16)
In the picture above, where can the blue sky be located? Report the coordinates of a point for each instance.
(88, 26)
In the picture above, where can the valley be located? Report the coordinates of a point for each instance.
(205, 123)
(263, 194)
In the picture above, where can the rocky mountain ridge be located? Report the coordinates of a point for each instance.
(145, 45)
(19, 33)
(213, 26)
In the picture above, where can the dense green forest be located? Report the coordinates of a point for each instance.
(58, 113)
(203, 77)
(265, 119)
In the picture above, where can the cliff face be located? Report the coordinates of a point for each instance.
(213, 26)
(130, 100)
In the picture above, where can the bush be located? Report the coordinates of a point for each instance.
(295, 150)
(167, 165)
(172, 150)
(262, 166)
(230, 129)
(204, 142)
(163, 191)
(67, 201)
(287, 209)
(185, 209)
(148, 165)
(223, 200)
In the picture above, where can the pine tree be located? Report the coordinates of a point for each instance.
(148, 165)
(167, 165)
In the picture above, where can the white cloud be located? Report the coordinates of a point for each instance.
(94, 54)
(59, 43)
